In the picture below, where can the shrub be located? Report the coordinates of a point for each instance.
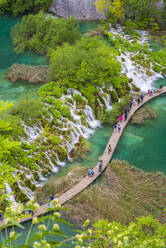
(114, 96)
(65, 112)
(79, 99)
(54, 139)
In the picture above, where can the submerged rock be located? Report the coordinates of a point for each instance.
(143, 114)
(32, 74)
(81, 9)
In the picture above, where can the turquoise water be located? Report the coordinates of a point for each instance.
(86, 26)
(68, 230)
(145, 146)
(8, 90)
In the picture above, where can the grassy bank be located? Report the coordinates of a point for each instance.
(122, 193)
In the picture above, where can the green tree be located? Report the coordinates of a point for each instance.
(40, 32)
(18, 7)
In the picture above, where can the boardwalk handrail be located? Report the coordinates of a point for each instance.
(106, 157)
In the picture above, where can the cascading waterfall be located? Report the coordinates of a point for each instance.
(10, 195)
(32, 133)
(83, 122)
(137, 73)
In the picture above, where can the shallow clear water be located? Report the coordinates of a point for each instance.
(8, 90)
(86, 26)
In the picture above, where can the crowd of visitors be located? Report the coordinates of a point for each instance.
(124, 117)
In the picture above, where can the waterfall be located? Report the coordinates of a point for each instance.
(32, 132)
(137, 73)
(54, 168)
(10, 195)
(28, 192)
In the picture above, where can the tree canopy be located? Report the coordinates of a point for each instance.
(40, 32)
(18, 7)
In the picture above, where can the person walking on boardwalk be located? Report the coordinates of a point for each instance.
(130, 105)
(161, 86)
(115, 127)
(151, 92)
(100, 165)
(148, 92)
(89, 172)
(109, 149)
(121, 118)
(142, 97)
(119, 128)
(52, 197)
(125, 116)
(138, 101)
(1, 217)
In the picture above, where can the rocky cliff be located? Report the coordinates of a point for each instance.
(81, 9)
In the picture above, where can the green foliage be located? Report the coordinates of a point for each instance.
(90, 60)
(18, 7)
(28, 109)
(79, 99)
(157, 68)
(55, 140)
(130, 28)
(144, 13)
(65, 112)
(41, 32)
(56, 114)
(114, 96)
(147, 232)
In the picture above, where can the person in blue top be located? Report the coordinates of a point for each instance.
(52, 197)
(125, 116)
(115, 127)
(90, 172)
(130, 105)
(142, 97)
(100, 166)
(1, 216)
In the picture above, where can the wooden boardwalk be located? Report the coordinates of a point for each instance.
(106, 157)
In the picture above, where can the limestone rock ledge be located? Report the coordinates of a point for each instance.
(81, 9)
(32, 74)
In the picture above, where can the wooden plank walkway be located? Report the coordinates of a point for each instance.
(106, 157)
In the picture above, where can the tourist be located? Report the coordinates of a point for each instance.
(151, 92)
(100, 166)
(130, 105)
(161, 86)
(109, 149)
(1, 217)
(138, 101)
(121, 118)
(142, 97)
(90, 172)
(148, 92)
(125, 117)
(115, 127)
(119, 127)
(52, 197)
